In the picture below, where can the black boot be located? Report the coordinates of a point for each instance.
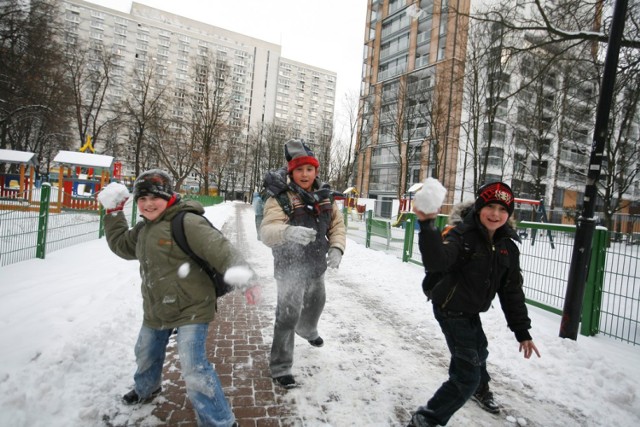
(419, 420)
(132, 397)
(484, 397)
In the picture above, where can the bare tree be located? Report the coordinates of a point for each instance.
(145, 108)
(211, 106)
(34, 100)
(89, 73)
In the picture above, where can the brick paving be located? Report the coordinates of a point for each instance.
(240, 355)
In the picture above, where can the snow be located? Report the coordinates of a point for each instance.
(113, 194)
(13, 156)
(83, 159)
(68, 325)
(430, 196)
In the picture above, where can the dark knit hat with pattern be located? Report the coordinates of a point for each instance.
(154, 182)
(495, 192)
(297, 153)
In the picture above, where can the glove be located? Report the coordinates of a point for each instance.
(253, 295)
(334, 256)
(113, 197)
(300, 235)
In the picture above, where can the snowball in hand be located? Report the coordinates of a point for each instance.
(430, 197)
(112, 195)
(183, 270)
(238, 275)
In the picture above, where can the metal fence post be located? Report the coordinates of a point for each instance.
(43, 220)
(101, 224)
(134, 213)
(367, 240)
(409, 233)
(345, 216)
(591, 304)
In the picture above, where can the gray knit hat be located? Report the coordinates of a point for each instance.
(153, 182)
(297, 153)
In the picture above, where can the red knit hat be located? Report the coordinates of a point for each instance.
(297, 153)
(495, 192)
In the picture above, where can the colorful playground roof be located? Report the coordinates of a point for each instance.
(14, 156)
(76, 158)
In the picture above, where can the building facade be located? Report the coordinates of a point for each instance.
(265, 87)
(414, 60)
(450, 99)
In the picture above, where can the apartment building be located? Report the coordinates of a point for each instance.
(529, 122)
(265, 86)
(414, 57)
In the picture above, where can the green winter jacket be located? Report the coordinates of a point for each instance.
(170, 300)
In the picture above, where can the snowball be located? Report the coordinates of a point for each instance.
(238, 275)
(430, 197)
(183, 270)
(112, 195)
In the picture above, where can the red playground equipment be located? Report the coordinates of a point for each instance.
(80, 177)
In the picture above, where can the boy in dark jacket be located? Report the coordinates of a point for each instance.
(303, 244)
(477, 260)
(176, 293)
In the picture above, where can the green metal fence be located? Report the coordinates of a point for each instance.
(611, 304)
(31, 231)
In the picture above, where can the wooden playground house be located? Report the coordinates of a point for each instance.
(16, 188)
(79, 177)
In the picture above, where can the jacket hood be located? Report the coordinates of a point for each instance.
(464, 209)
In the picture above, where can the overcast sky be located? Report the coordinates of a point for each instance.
(328, 34)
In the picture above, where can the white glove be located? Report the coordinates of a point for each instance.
(113, 196)
(334, 256)
(300, 235)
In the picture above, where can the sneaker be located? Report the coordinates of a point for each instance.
(286, 381)
(318, 342)
(132, 397)
(484, 398)
(419, 420)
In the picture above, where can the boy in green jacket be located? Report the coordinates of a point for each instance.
(176, 292)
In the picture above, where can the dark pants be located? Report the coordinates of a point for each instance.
(467, 369)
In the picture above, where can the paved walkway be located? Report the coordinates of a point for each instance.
(240, 354)
(241, 357)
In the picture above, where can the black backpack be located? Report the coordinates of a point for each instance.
(177, 232)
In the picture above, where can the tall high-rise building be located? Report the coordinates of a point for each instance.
(265, 87)
(414, 59)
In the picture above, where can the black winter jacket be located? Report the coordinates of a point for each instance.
(474, 269)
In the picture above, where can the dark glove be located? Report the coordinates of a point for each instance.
(301, 235)
(334, 256)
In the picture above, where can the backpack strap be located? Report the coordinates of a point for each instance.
(177, 232)
(285, 203)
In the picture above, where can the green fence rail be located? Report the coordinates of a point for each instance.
(32, 230)
(611, 304)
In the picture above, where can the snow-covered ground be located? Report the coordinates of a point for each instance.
(68, 325)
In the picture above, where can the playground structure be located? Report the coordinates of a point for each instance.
(406, 205)
(351, 203)
(80, 176)
(16, 189)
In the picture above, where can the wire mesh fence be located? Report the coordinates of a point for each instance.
(613, 295)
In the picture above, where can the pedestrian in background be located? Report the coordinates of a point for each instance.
(258, 209)
(466, 268)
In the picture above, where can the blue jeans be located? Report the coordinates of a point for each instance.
(468, 366)
(203, 385)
